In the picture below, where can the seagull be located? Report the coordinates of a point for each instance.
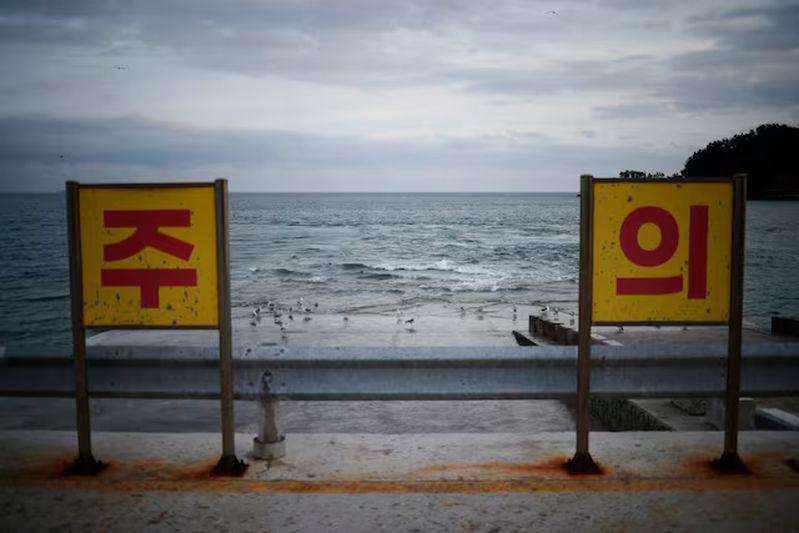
(545, 310)
(410, 321)
(620, 329)
(571, 320)
(550, 12)
(555, 311)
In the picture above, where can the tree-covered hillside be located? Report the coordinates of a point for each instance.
(769, 155)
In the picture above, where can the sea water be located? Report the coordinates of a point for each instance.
(355, 252)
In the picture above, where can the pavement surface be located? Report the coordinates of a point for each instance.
(411, 482)
(384, 466)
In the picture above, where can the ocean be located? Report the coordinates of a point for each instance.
(357, 252)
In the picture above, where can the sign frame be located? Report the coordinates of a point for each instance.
(134, 186)
(86, 464)
(729, 461)
(735, 208)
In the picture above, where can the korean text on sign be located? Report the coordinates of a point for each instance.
(662, 251)
(149, 256)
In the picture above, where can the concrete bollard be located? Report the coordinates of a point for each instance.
(561, 333)
(549, 330)
(717, 408)
(270, 442)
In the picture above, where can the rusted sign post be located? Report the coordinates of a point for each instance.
(152, 256)
(661, 252)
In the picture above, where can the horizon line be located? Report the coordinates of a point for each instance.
(336, 192)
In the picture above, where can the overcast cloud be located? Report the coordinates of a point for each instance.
(316, 95)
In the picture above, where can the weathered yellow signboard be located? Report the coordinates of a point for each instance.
(149, 256)
(661, 251)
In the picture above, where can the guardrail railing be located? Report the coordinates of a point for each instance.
(418, 373)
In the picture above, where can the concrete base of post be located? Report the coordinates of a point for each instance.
(270, 443)
(229, 465)
(729, 463)
(268, 450)
(582, 463)
(85, 466)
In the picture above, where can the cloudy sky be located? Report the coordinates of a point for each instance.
(359, 95)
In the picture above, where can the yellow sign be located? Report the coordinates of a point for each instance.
(661, 251)
(149, 256)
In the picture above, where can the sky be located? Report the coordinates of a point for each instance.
(361, 95)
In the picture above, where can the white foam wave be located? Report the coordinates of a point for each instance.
(443, 265)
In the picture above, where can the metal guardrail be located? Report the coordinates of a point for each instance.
(470, 373)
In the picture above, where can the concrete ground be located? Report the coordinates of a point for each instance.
(382, 466)
(410, 482)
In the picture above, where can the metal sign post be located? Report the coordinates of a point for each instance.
(85, 464)
(661, 252)
(150, 256)
(730, 460)
(582, 461)
(228, 463)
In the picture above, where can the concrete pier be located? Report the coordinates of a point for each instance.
(410, 482)
(384, 466)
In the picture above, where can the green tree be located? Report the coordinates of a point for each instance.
(767, 154)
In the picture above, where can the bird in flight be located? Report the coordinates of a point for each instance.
(550, 12)
(120, 67)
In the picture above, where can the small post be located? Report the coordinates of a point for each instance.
(270, 443)
(582, 461)
(730, 461)
(228, 464)
(85, 464)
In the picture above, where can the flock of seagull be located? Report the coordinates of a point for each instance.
(282, 314)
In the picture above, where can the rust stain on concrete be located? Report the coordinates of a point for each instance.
(594, 484)
(554, 467)
(706, 467)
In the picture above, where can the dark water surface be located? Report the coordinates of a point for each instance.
(354, 251)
